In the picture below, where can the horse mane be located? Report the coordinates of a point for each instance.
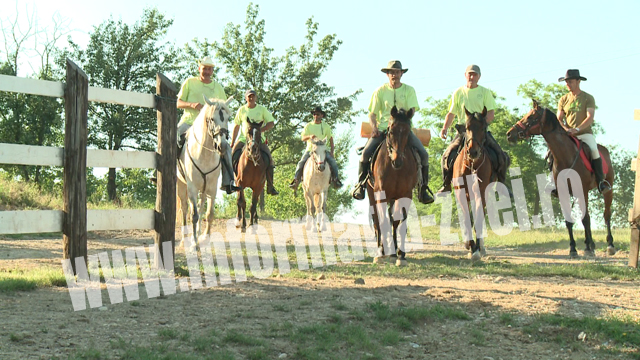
(555, 123)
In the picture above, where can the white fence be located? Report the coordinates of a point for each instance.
(75, 220)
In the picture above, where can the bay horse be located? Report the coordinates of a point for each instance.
(394, 175)
(252, 173)
(473, 162)
(542, 121)
(315, 183)
(199, 164)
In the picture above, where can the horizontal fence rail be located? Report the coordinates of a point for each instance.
(50, 221)
(15, 154)
(56, 89)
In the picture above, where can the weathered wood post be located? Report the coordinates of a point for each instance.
(165, 222)
(74, 223)
(634, 214)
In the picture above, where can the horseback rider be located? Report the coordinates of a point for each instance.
(474, 98)
(191, 99)
(579, 107)
(317, 130)
(402, 96)
(257, 113)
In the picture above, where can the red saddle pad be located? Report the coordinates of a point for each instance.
(585, 158)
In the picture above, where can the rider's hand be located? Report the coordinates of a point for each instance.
(197, 107)
(313, 137)
(443, 134)
(572, 131)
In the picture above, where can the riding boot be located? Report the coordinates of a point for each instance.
(337, 184)
(181, 141)
(603, 185)
(227, 177)
(447, 175)
(270, 189)
(424, 196)
(358, 191)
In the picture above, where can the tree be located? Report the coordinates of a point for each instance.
(125, 57)
(289, 86)
(30, 119)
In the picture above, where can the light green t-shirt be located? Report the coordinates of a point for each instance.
(474, 100)
(321, 130)
(575, 109)
(193, 91)
(257, 114)
(385, 97)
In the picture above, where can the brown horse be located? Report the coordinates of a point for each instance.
(252, 173)
(395, 174)
(542, 121)
(473, 167)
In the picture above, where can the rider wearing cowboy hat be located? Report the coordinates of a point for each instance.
(191, 99)
(402, 96)
(579, 108)
(317, 130)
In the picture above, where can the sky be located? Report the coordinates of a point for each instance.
(512, 42)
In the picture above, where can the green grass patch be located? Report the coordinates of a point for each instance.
(235, 337)
(30, 279)
(168, 334)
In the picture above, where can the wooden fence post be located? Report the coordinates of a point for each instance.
(74, 223)
(165, 221)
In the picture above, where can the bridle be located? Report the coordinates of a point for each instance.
(390, 148)
(524, 130)
(469, 162)
(252, 150)
(316, 159)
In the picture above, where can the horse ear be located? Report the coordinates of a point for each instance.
(260, 123)
(460, 128)
(228, 102)
(535, 104)
(467, 112)
(411, 112)
(394, 111)
(206, 100)
(484, 112)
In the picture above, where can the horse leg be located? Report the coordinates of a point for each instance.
(608, 198)
(401, 259)
(320, 210)
(378, 257)
(242, 203)
(255, 198)
(573, 253)
(184, 209)
(193, 199)
(590, 246)
(308, 199)
(210, 213)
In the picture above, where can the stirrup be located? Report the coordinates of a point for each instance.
(294, 184)
(272, 190)
(604, 187)
(425, 196)
(358, 192)
(337, 184)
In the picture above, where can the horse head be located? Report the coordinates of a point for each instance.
(254, 138)
(476, 133)
(398, 135)
(319, 153)
(217, 115)
(535, 122)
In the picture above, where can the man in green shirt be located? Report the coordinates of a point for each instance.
(257, 113)
(191, 99)
(402, 96)
(317, 130)
(579, 109)
(474, 98)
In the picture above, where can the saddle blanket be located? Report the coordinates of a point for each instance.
(585, 158)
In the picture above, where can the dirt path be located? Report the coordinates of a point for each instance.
(42, 323)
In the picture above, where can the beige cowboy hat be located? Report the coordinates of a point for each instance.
(206, 61)
(394, 65)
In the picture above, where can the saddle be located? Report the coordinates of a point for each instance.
(493, 157)
(374, 157)
(585, 155)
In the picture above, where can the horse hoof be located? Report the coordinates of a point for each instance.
(476, 256)
(243, 230)
(573, 254)
(611, 250)
(378, 260)
(589, 253)
(401, 262)
(238, 224)
(467, 245)
(483, 251)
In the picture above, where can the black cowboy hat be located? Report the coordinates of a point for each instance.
(394, 65)
(572, 74)
(318, 109)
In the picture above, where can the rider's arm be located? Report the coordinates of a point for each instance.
(588, 121)
(188, 105)
(332, 147)
(490, 115)
(448, 120)
(267, 127)
(374, 124)
(561, 118)
(236, 129)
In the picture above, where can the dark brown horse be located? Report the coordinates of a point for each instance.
(472, 172)
(252, 173)
(395, 174)
(542, 121)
